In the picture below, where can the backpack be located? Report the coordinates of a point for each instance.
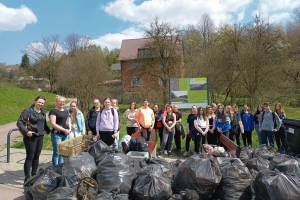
(273, 115)
(111, 109)
(139, 144)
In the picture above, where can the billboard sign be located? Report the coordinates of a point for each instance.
(186, 92)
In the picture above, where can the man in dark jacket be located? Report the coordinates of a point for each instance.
(91, 118)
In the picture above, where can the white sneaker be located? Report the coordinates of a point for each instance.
(186, 153)
(165, 152)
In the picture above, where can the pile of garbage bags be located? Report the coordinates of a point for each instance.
(259, 173)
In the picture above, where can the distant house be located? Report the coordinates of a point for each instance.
(132, 84)
(13, 68)
(33, 83)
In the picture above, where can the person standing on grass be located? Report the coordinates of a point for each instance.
(161, 130)
(211, 136)
(169, 122)
(178, 130)
(190, 124)
(107, 123)
(145, 118)
(230, 112)
(32, 125)
(77, 121)
(235, 127)
(157, 124)
(223, 122)
(259, 109)
(61, 125)
(280, 134)
(269, 123)
(248, 123)
(114, 104)
(91, 118)
(201, 123)
(132, 125)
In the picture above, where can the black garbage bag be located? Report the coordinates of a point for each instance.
(111, 196)
(258, 163)
(167, 168)
(28, 184)
(253, 174)
(106, 152)
(152, 184)
(264, 152)
(115, 171)
(83, 162)
(48, 181)
(285, 163)
(95, 149)
(235, 182)
(62, 193)
(276, 185)
(246, 154)
(278, 158)
(70, 176)
(56, 168)
(198, 173)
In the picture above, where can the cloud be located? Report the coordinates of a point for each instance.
(275, 10)
(114, 40)
(241, 16)
(175, 11)
(15, 19)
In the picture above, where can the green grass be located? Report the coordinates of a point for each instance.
(13, 100)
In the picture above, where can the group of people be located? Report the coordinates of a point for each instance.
(204, 125)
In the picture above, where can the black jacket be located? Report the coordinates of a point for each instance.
(32, 125)
(91, 117)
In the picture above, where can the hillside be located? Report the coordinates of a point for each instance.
(13, 100)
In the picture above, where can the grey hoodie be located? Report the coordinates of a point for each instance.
(267, 123)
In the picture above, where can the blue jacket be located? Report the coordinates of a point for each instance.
(80, 120)
(247, 120)
(224, 126)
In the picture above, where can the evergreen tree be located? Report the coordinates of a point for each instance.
(25, 64)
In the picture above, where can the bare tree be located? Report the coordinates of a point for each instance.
(74, 41)
(296, 14)
(46, 53)
(161, 58)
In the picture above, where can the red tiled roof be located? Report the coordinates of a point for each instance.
(129, 48)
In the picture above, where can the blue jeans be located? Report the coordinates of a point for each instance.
(116, 142)
(55, 139)
(267, 135)
(256, 126)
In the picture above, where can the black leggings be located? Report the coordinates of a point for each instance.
(106, 137)
(177, 138)
(212, 138)
(187, 142)
(247, 138)
(33, 146)
(280, 138)
(198, 139)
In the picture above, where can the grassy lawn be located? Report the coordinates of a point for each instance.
(291, 113)
(13, 100)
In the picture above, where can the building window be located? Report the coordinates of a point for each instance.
(143, 53)
(136, 82)
(135, 65)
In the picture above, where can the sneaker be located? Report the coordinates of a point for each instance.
(186, 153)
(178, 152)
(165, 152)
(169, 153)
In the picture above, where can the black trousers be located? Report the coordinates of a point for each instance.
(94, 132)
(280, 137)
(247, 138)
(33, 147)
(177, 138)
(212, 138)
(231, 135)
(106, 137)
(237, 138)
(146, 133)
(160, 133)
(131, 130)
(187, 142)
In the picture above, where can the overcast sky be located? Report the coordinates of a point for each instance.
(23, 22)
